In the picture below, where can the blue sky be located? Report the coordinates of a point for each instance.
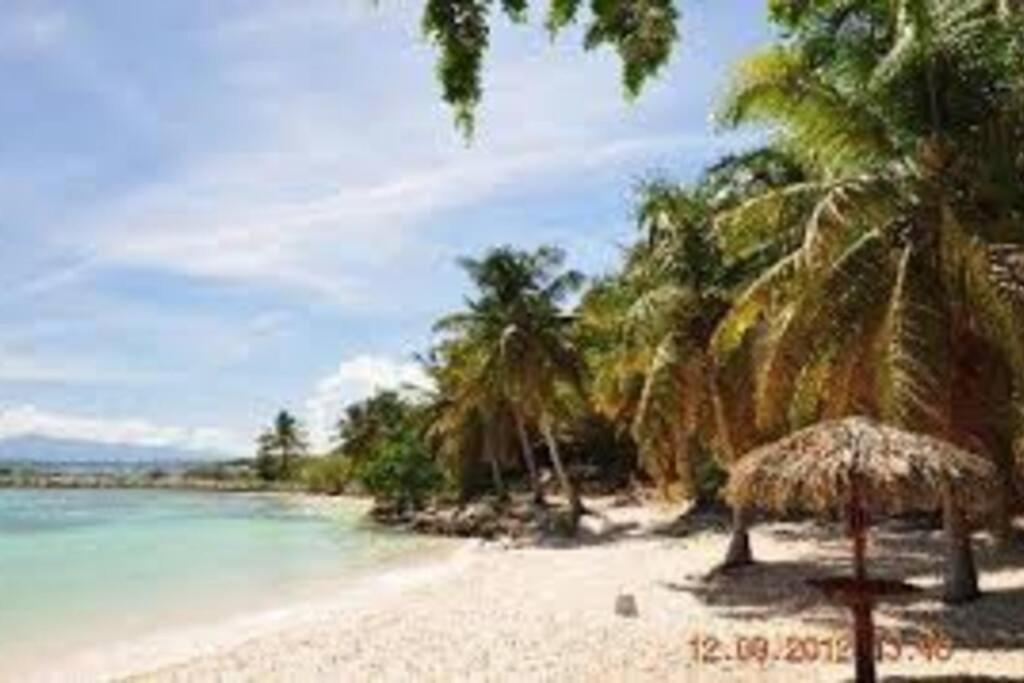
(211, 210)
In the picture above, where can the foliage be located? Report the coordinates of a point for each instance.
(509, 364)
(384, 448)
(368, 423)
(898, 300)
(868, 261)
(330, 474)
(642, 32)
(279, 448)
(400, 471)
(646, 330)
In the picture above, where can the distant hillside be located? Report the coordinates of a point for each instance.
(43, 449)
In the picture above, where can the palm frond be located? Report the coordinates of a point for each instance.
(918, 359)
(774, 216)
(754, 303)
(668, 414)
(831, 312)
(832, 131)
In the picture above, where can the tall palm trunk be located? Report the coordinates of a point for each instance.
(738, 553)
(528, 457)
(568, 488)
(961, 576)
(492, 459)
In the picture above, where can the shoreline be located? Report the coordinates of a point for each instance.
(489, 611)
(79, 630)
(124, 659)
(103, 482)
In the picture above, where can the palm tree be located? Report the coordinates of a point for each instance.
(901, 283)
(366, 422)
(656, 317)
(647, 329)
(468, 414)
(515, 339)
(279, 447)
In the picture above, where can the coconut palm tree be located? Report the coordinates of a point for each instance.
(646, 330)
(279, 447)
(365, 423)
(515, 341)
(900, 285)
(469, 414)
(657, 316)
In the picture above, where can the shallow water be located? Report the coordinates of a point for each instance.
(81, 567)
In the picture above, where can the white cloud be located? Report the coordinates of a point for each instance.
(310, 243)
(28, 420)
(319, 182)
(33, 31)
(29, 368)
(355, 379)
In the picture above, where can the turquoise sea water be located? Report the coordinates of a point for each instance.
(81, 567)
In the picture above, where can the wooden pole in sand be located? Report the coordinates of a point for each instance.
(863, 601)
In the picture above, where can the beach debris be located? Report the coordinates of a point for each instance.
(625, 606)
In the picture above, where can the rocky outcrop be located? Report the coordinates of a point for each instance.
(488, 519)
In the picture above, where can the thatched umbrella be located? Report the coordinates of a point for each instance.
(858, 466)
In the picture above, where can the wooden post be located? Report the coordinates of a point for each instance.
(863, 601)
(864, 632)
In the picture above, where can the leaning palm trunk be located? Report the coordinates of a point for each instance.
(531, 461)
(961, 577)
(568, 488)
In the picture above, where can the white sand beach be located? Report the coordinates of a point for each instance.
(493, 613)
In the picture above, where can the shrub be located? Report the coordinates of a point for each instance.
(400, 471)
(329, 474)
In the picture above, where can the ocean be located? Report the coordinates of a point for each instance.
(80, 568)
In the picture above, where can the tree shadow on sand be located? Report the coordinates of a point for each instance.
(780, 589)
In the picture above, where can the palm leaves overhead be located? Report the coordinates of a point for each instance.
(642, 33)
(876, 230)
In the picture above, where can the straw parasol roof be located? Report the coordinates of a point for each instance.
(897, 471)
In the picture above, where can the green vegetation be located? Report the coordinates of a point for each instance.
(401, 471)
(280, 448)
(642, 32)
(895, 301)
(328, 475)
(868, 260)
(509, 359)
(383, 447)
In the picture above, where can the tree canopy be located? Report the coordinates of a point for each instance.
(642, 33)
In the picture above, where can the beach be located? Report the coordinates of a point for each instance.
(489, 611)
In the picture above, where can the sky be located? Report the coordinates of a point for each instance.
(211, 211)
